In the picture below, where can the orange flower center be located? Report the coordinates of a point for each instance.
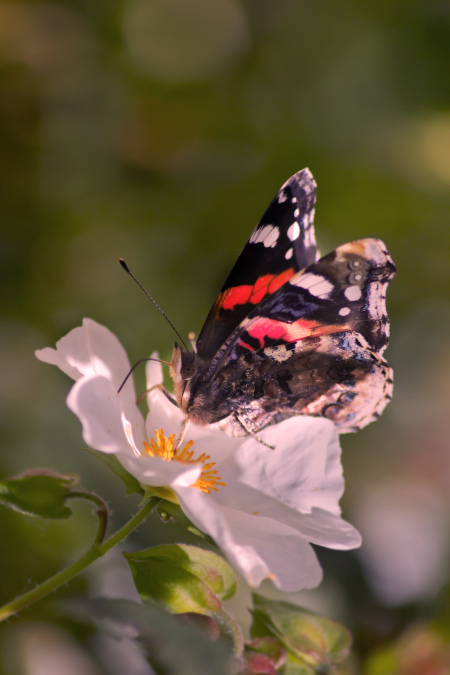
(164, 447)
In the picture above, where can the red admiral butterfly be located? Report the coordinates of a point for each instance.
(292, 333)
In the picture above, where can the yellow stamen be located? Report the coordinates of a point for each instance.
(164, 447)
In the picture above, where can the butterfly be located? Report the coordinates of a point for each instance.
(292, 333)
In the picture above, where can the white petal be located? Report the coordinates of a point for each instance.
(95, 402)
(258, 547)
(89, 349)
(325, 529)
(56, 358)
(289, 561)
(106, 355)
(163, 413)
(316, 526)
(213, 442)
(153, 371)
(304, 469)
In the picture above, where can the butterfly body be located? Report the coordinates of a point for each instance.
(291, 333)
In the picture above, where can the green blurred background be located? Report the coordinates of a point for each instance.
(158, 131)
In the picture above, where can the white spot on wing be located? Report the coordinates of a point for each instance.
(376, 308)
(279, 353)
(309, 237)
(353, 293)
(296, 213)
(314, 284)
(289, 253)
(344, 311)
(267, 235)
(253, 236)
(272, 237)
(294, 231)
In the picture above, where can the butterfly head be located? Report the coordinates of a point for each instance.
(193, 395)
(183, 367)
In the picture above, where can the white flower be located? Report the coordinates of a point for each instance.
(262, 507)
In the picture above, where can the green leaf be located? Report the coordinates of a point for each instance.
(171, 645)
(315, 640)
(39, 493)
(131, 484)
(206, 565)
(203, 561)
(182, 578)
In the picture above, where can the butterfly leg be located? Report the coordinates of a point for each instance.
(250, 432)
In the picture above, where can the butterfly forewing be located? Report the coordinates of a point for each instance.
(280, 245)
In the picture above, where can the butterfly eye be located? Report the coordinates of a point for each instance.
(188, 366)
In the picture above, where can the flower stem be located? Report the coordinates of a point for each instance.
(234, 631)
(101, 511)
(96, 551)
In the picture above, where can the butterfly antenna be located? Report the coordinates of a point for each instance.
(125, 267)
(150, 358)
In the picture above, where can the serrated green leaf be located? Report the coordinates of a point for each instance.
(131, 484)
(40, 493)
(171, 645)
(315, 640)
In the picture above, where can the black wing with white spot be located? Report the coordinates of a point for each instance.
(280, 245)
(345, 289)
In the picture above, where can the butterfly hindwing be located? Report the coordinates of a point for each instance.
(313, 347)
(280, 245)
(334, 375)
